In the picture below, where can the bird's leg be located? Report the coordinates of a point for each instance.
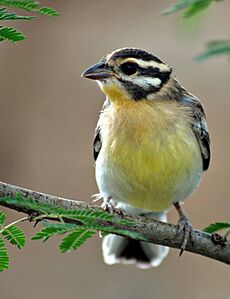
(184, 226)
(108, 206)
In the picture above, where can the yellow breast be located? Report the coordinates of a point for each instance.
(150, 156)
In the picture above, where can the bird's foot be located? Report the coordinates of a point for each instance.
(109, 207)
(185, 228)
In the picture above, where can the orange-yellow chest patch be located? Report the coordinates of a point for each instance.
(150, 156)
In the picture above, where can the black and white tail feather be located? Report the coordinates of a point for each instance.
(117, 249)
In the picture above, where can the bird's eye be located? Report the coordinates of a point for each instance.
(129, 68)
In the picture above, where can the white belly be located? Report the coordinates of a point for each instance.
(158, 186)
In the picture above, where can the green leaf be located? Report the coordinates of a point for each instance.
(176, 7)
(50, 231)
(196, 8)
(81, 215)
(4, 258)
(191, 7)
(88, 220)
(66, 226)
(11, 34)
(48, 11)
(26, 5)
(214, 227)
(215, 48)
(75, 239)
(84, 215)
(31, 6)
(15, 236)
(5, 15)
(2, 218)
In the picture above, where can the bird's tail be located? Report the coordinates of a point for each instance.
(124, 250)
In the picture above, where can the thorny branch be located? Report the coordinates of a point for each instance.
(153, 231)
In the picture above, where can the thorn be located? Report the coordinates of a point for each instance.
(36, 222)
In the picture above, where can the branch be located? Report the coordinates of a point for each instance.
(144, 229)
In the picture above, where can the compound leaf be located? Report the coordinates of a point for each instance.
(31, 6)
(48, 11)
(191, 7)
(15, 236)
(215, 48)
(52, 230)
(11, 34)
(196, 8)
(2, 218)
(214, 227)
(75, 239)
(5, 15)
(4, 258)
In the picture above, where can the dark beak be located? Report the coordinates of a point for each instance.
(98, 71)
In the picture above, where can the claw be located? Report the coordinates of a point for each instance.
(36, 222)
(184, 227)
(109, 207)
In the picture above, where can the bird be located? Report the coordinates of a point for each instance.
(151, 148)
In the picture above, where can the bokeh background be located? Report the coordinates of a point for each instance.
(47, 119)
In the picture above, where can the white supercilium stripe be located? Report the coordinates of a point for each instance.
(145, 64)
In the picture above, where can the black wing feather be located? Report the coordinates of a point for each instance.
(199, 126)
(97, 143)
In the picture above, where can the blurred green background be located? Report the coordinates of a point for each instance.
(48, 116)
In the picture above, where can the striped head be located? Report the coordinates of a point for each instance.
(131, 74)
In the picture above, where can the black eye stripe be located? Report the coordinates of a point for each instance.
(149, 71)
(137, 92)
(155, 73)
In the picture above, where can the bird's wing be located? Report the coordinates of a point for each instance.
(97, 143)
(199, 126)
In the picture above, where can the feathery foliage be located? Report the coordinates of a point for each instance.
(84, 217)
(74, 226)
(5, 15)
(53, 229)
(4, 257)
(2, 218)
(214, 227)
(11, 34)
(191, 8)
(15, 236)
(75, 234)
(75, 239)
(31, 6)
(214, 48)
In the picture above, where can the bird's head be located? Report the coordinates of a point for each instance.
(130, 74)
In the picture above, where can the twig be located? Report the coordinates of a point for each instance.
(153, 231)
(14, 223)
